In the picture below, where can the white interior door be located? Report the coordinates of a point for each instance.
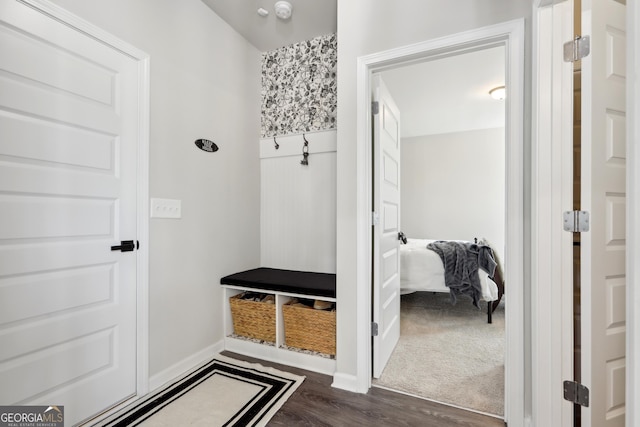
(604, 196)
(68, 156)
(386, 247)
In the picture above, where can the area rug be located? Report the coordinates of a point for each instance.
(224, 392)
(449, 353)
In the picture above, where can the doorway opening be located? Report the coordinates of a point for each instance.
(510, 35)
(452, 188)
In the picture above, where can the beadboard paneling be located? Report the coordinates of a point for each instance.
(298, 204)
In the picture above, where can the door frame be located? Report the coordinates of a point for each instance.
(633, 214)
(510, 35)
(142, 189)
(553, 25)
(552, 193)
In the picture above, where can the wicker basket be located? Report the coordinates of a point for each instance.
(253, 319)
(310, 329)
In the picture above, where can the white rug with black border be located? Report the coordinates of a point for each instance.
(224, 392)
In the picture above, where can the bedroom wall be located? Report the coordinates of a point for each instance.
(298, 202)
(453, 187)
(366, 27)
(205, 83)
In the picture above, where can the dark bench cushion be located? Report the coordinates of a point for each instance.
(296, 282)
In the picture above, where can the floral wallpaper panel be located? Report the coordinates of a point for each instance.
(299, 87)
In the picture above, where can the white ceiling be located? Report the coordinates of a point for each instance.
(310, 18)
(440, 96)
(450, 94)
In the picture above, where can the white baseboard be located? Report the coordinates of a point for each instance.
(346, 382)
(184, 366)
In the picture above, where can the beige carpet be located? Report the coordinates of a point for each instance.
(449, 353)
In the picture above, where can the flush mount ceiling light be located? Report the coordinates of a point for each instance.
(498, 92)
(283, 9)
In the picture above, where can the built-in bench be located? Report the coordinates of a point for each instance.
(284, 285)
(289, 281)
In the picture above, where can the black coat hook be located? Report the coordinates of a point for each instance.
(305, 152)
(276, 143)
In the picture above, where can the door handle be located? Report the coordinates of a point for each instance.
(125, 246)
(402, 237)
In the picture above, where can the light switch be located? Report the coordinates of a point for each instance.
(166, 208)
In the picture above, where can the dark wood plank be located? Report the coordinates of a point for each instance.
(316, 403)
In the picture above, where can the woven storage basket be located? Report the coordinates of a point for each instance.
(310, 329)
(253, 319)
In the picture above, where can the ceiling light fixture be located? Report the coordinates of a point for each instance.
(498, 92)
(283, 9)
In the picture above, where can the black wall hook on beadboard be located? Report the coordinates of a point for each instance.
(305, 152)
(276, 143)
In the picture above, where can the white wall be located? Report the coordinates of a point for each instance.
(366, 27)
(205, 83)
(453, 186)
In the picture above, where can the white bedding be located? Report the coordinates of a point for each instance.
(421, 269)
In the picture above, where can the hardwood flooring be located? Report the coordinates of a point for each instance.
(316, 403)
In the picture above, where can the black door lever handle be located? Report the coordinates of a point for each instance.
(125, 246)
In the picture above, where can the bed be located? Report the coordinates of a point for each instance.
(421, 269)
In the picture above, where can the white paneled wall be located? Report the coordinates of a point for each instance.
(298, 203)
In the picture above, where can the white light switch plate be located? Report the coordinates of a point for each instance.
(166, 208)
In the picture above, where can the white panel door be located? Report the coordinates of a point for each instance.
(386, 247)
(68, 155)
(604, 196)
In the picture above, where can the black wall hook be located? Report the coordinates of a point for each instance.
(276, 143)
(305, 152)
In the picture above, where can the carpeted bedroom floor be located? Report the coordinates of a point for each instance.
(449, 353)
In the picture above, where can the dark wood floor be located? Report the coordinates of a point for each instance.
(316, 403)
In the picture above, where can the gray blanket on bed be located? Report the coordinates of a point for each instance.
(461, 261)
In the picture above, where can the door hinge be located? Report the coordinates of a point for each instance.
(576, 393)
(577, 49)
(374, 329)
(375, 107)
(576, 221)
(375, 218)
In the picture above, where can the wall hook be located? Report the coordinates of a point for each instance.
(305, 152)
(276, 143)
